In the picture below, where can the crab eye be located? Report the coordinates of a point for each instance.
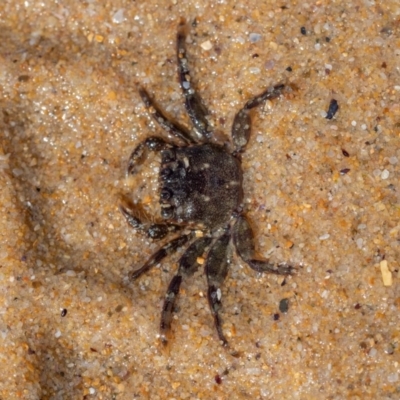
(165, 173)
(168, 155)
(167, 212)
(165, 194)
(182, 172)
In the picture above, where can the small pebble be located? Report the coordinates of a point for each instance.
(254, 70)
(299, 346)
(389, 349)
(376, 172)
(207, 45)
(118, 17)
(385, 174)
(386, 273)
(332, 110)
(345, 153)
(393, 377)
(254, 37)
(325, 294)
(373, 352)
(269, 64)
(284, 306)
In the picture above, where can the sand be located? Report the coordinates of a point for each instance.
(322, 194)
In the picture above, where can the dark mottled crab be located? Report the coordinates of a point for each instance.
(201, 190)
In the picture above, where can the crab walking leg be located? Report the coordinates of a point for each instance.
(243, 239)
(158, 116)
(242, 122)
(187, 266)
(194, 106)
(164, 251)
(153, 231)
(216, 270)
(269, 94)
(138, 155)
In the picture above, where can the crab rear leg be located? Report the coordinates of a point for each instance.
(187, 266)
(242, 122)
(216, 270)
(160, 254)
(243, 239)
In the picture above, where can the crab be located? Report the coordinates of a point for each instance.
(201, 196)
